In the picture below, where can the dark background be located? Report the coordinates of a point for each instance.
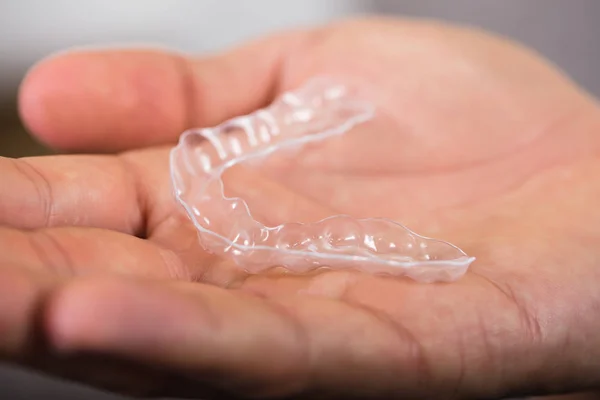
(564, 31)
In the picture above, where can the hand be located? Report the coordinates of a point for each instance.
(493, 150)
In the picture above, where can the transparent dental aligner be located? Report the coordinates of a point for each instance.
(316, 112)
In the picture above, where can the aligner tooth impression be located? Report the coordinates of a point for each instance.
(320, 110)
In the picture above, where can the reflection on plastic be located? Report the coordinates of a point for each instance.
(320, 109)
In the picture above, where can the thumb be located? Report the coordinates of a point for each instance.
(114, 100)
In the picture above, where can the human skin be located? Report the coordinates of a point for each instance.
(102, 279)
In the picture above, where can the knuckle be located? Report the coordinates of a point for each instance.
(42, 198)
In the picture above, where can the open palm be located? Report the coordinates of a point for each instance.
(480, 143)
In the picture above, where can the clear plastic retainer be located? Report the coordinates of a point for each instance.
(319, 110)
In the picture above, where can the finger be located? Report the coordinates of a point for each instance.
(67, 252)
(22, 292)
(223, 336)
(116, 100)
(32, 263)
(373, 348)
(211, 333)
(130, 194)
(53, 191)
(126, 193)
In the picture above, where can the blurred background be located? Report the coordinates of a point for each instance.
(564, 31)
